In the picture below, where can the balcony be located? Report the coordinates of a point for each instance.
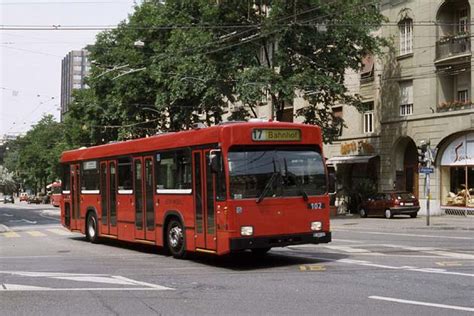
(452, 47)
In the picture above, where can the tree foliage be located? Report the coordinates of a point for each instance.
(198, 56)
(34, 158)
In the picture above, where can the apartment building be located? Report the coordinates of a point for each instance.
(420, 90)
(74, 68)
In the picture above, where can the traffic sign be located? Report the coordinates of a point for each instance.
(426, 170)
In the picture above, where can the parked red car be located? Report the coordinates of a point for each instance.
(389, 204)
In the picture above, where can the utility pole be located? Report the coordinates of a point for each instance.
(425, 158)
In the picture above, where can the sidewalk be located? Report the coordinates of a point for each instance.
(446, 222)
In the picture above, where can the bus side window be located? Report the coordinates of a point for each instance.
(173, 170)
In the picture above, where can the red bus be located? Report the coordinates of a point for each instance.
(226, 188)
(54, 190)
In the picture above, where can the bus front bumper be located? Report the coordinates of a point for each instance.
(279, 240)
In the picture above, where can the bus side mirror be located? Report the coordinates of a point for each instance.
(331, 180)
(215, 160)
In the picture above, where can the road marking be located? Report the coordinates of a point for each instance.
(80, 277)
(19, 287)
(348, 249)
(405, 268)
(21, 220)
(8, 215)
(35, 233)
(10, 235)
(396, 300)
(59, 231)
(313, 267)
(430, 250)
(449, 263)
(406, 235)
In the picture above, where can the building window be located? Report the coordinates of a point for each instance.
(77, 68)
(463, 95)
(406, 36)
(406, 98)
(338, 120)
(368, 117)
(367, 72)
(457, 172)
(463, 21)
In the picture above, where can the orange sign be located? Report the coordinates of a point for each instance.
(357, 148)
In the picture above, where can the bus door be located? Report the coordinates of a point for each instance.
(108, 198)
(75, 196)
(144, 194)
(204, 201)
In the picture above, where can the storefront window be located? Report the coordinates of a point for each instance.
(457, 173)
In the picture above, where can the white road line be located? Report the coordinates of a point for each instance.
(406, 235)
(405, 268)
(347, 240)
(348, 249)
(396, 300)
(19, 287)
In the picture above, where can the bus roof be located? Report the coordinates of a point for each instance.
(227, 134)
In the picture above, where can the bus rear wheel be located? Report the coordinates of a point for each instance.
(175, 239)
(91, 228)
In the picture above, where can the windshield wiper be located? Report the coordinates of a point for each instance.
(298, 185)
(268, 186)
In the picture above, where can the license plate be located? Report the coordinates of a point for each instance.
(319, 235)
(409, 204)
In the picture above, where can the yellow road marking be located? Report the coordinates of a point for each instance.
(11, 235)
(313, 267)
(36, 233)
(59, 231)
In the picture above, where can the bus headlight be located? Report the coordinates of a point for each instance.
(315, 226)
(246, 230)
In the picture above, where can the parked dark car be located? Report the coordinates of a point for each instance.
(389, 204)
(8, 199)
(34, 199)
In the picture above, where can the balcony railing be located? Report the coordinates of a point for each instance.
(453, 46)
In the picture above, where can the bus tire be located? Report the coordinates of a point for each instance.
(175, 238)
(92, 232)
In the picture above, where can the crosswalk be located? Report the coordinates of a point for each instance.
(36, 233)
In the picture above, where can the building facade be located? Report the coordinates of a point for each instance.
(74, 68)
(419, 91)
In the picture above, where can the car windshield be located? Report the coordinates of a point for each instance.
(257, 172)
(405, 196)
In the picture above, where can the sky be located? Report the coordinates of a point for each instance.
(30, 60)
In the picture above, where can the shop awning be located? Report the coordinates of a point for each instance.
(349, 159)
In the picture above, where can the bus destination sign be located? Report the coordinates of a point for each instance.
(266, 135)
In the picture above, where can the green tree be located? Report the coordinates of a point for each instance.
(198, 56)
(34, 158)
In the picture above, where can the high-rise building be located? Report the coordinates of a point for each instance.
(74, 68)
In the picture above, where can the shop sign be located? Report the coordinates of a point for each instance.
(459, 152)
(357, 148)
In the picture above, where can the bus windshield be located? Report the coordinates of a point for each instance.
(259, 172)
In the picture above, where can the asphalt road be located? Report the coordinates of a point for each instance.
(374, 266)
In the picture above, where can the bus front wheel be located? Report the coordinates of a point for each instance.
(175, 239)
(91, 228)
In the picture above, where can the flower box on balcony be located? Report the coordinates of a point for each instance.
(454, 105)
